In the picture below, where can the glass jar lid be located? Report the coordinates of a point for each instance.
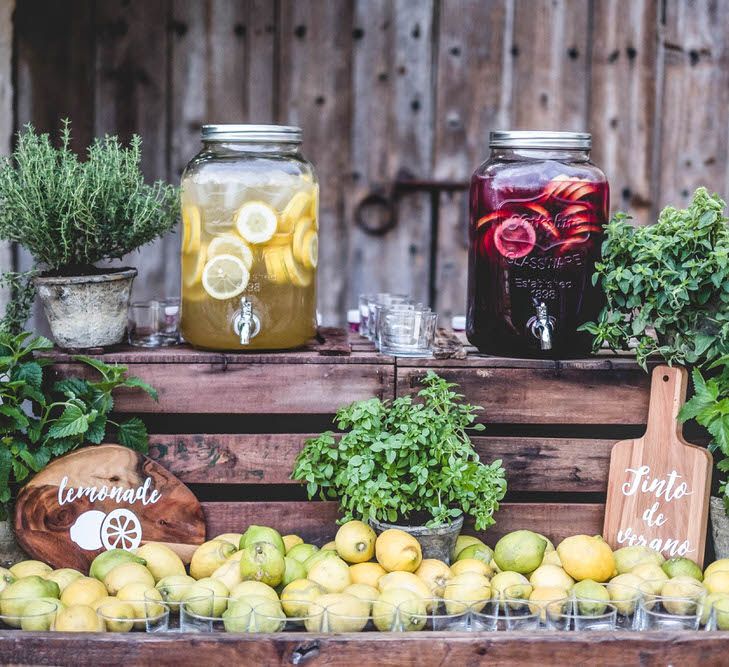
(539, 139)
(255, 134)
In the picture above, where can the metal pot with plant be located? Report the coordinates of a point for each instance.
(408, 464)
(667, 293)
(72, 214)
(41, 420)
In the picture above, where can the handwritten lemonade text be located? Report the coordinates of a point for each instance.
(143, 494)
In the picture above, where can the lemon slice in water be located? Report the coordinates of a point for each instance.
(310, 250)
(225, 277)
(192, 228)
(295, 209)
(303, 227)
(300, 276)
(229, 244)
(256, 222)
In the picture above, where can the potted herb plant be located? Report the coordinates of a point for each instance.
(41, 421)
(667, 291)
(406, 464)
(71, 214)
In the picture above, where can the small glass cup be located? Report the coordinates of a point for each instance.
(29, 614)
(265, 617)
(374, 303)
(200, 613)
(654, 591)
(581, 615)
(503, 614)
(665, 613)
(626, 599)
(146, 616)
(154, 323)
(432, 614)
(715, 614)
(406, 331)
(172, 595)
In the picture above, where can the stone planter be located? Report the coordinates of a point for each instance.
(10, 551)
(436, 542)
(719, 527)
(87, 311)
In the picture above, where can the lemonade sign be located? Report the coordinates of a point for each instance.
(101, 498)
(658, 488)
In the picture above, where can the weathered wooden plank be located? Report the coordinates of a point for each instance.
(392, 137)
(695, 100)
(248, 388)
(314, 92)
(551, 79)
(609, 649)
(470, 102)
(315, 520)
(132, 91)
(7, 7)
(531, 464)
(623, 101)
(526, 396)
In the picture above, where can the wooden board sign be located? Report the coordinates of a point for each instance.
(105, 497)
(659, 485)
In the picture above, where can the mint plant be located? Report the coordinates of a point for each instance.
(401, 459)
(38, 423)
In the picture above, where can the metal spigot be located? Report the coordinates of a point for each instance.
(246, 323)
(542, 326)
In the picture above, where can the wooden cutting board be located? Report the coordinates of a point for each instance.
(659, 485)
(104, 497)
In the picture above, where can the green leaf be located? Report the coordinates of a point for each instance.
(17, 417)
(133, 433)
(133, 381)
(29, 372)
(97, 430)
(72, 421)
(72, 387)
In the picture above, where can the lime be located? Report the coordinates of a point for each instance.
(681, 566)
(521, 551)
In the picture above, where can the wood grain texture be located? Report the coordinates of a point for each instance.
(623, 101)
(315, 520)
(658, 509)
(43, 524)
(608, 649)
(531, 464)
(558, 396)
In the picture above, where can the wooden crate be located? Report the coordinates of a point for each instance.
(230, 426)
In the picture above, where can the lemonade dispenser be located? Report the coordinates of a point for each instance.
(250, 240)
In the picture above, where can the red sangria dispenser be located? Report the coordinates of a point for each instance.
(538, 209)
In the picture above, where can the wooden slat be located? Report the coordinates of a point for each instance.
(314, 92)
(249, 388)
(531, 464)
(392, 137)
(695, 100)
(426, 649)
(315, 520)
(527, 396)
(472, 56)
(623, 101)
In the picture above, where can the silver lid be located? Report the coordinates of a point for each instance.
(538, 139)
(252, 133)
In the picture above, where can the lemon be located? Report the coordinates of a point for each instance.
(297, 207)
(626, 558)
(117, 615)
(127, 573)
(295, 597)
(256, 222)
(551, 576)
(78, 618)
(406, 580)
(652, 575)
(717, 565)
(233, 538)
(435, 574)
(708, 603)
(140, 596)
(330, 546)
(520, 551)
(679, 565)
(275, 267)
(174, 587)
(192, 228)
(541, 597)
(363, 592)
(510, 584)
(101, 601)
(161, 560)
(39, 614)
(299, 276)
(301, 552)
(83, 591)
(463, 541)
(331, 573)
(717, 581)
(290, 541)
(478, 552)
(192, 268)
(592, 597)
(266, 616)
(302, 228)
(355, 542)
(229, 244)
(201, 589)
(398, 550)
(468, 588)
(262, 561)
(344, 613)
(366, 573)
(246, 589)
(225, 277)
(29, 568)
(314, 210)
(310, 251)
(229, 573)
(63, 577)
(293, 570)
(411, 616)
(586, 557)
(678, 588)
(624, 592)
(551, 558)
(471, 565)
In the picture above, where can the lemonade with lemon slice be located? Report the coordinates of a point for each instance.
(249, 232)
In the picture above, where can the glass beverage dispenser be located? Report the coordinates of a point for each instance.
(250, 240)
(538, 208)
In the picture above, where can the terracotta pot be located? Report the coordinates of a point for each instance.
(87, 311)
(719, 527)
(437, 542)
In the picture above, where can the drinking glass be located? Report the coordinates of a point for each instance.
(715, 615)
(28, 614)
(433, 614)
(147, 616)
(375, 302)
(625, 598)
(581, 615)
(200, 613)
(154, 323)
(668, 596)
(503, 614)
(265, 617)
(172, 595)
(406, 331)
(664, 613)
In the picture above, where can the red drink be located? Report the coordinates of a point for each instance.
(537, 217)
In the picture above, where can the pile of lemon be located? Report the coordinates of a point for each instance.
(257, 580)
(286, 244)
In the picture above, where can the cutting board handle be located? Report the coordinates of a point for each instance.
(668, 394)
